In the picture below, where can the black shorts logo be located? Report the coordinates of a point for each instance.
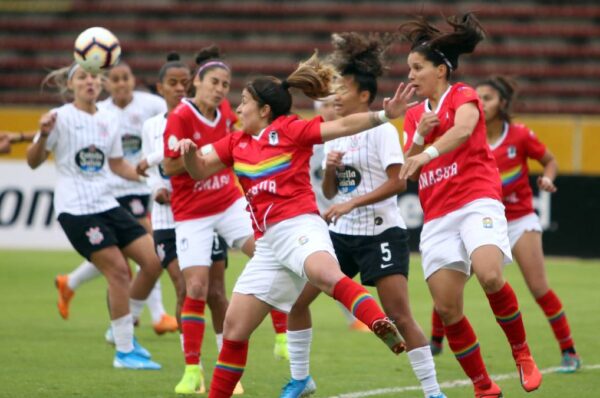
(348, 179)
(90, 159)
(132, 144)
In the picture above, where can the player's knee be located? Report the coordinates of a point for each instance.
(491, 280)
(215, 295)
(449, 312)
(196, 290)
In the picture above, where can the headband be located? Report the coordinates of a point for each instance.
(72, 71)
(211, 64)
(498, 87)
(440, 54)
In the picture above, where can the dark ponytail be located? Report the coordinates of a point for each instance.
(444, 47)
(173, 61)
(312, 77)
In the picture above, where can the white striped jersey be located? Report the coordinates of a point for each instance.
(366, 157)
(131, 118)
(82, 143)
(153, 151)
(316, 177)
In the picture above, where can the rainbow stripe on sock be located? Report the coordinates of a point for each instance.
(359, 299)
(195, 317)
(556, 317)
(508, 318)
(467, 350)
(230, 367)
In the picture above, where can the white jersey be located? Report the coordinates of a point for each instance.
(153, 151)
(131, 118)
(316, 177)
(366, 157)
(82, 144)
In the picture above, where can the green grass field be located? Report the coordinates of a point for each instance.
(42, 355)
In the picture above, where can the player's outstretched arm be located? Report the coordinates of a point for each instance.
(353, 124)
(199, 164)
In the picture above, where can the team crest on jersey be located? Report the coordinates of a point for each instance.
(171, 142)
(488, 222)
(94, 235)
(160, 251)
(135, 119)
(196, 135)
(228, 125)
(303, 240)
(273, 137)
(103, 129)
(512, 152)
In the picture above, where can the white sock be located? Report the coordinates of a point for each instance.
(181, 341)
(298, 342)
(422, 363)
(155, 303)
(136, 307)
(219, 337)
(349, 317)
(122, 329)
(85, 272)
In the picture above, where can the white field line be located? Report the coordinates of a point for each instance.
(445, 385)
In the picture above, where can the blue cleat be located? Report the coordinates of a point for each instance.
(299, 388)
(440, 395)
(570, 363)
(139, 350)
(131, 360)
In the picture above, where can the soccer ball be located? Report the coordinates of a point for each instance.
(96, 49)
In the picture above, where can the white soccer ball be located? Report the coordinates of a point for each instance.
(96, 49)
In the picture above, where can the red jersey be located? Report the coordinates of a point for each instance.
(463, 175)
(273, 169)
(511, 151)
(190, 198)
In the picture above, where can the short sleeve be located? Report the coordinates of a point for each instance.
(409, 128)
(223, 149)
(159, 105)
(387, 142)
(462, 95)
(176, 130)
(534, 147)
(306, 133)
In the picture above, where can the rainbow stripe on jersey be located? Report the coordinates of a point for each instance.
(511, 175)
(263, 169)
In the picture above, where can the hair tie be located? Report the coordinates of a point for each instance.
(284, 84)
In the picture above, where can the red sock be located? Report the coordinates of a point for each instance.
(192, 325)
(437, 327)
(229, 368)
(506, 309)
(358, 301)
(464, 344)
(279, 321)
(553, 309)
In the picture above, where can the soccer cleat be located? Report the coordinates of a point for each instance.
(358, 326)
(280, 351)
(109, 337)
(131, 360)
(192, 381)
(139, 350)
(386, 330)
(299, 388)
(238, 390)
(529, 374)
(436, 348)
(493, 391)
(440, 395)
(65, 294)
(166, 324)
(570, 363)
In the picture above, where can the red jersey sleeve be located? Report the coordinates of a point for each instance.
(463, 95)
(534, 147)
(223, 149)
(409, 130)
(174, 131)
(306, 132)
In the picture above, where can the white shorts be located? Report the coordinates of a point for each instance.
(449, 241)
(195, 237)
(517, 227)
(275, 274)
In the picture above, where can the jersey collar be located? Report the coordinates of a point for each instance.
(500, 140)
(443, 97)
(199, 115)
